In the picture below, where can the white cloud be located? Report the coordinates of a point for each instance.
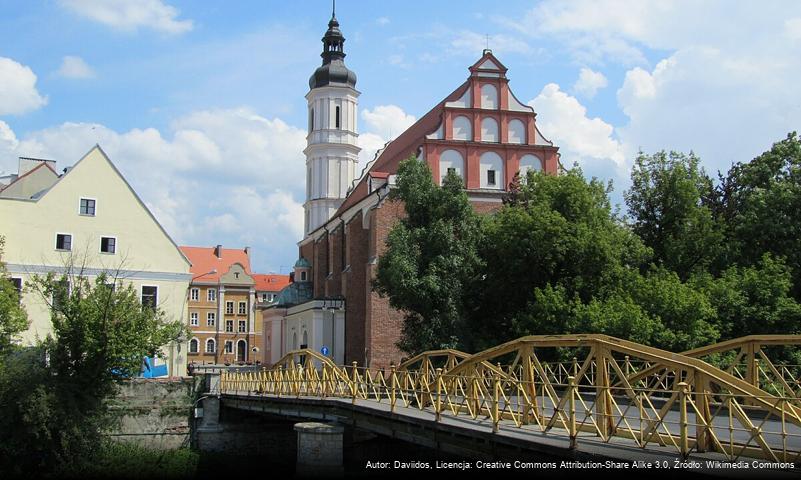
(589, 141)
(589, 82)
(18, 92)
(792, 28)
(130, 15)
(382, 21)
(382, 123)
(221, 176)
(388, 121)
(75, 67)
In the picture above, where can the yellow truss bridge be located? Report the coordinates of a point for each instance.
(611, 390)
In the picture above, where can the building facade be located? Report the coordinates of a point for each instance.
(222, 307)
(481, 131)
(90, 221)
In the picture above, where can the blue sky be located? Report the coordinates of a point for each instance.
(201, 104)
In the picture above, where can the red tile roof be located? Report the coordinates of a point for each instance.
(204, 261)
(270, 282)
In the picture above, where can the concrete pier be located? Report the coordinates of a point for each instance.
(319, 449)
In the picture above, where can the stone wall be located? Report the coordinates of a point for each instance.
(155, 413)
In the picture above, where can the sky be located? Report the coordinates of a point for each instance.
(201, 104)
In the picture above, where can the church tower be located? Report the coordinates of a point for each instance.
(332, 149)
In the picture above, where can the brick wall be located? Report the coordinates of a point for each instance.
(354, 288)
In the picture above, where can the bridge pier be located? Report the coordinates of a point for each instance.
(319, 449)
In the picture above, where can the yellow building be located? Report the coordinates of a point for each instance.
(222, 301)
(90, 216)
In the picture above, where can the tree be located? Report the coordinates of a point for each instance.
(54, 394)
(13, 319)
(759, 203)
(559, 238)
(667, 209)
(431, 259)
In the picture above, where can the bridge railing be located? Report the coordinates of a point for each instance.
(681, 419)
(615, 390)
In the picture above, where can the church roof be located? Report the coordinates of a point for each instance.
(295, 294)
(333, 70)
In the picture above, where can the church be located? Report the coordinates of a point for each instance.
(481, 131)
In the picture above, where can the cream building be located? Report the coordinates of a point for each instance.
(90, 216)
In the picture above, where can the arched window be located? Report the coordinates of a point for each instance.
(517, 132)
(211, 346)
(489, 96)
(194, 345)
(305, 340)
(529, 162)
(311, 119)
(489, 130)
(462, 128)
(491, 171)
(450, 160)
(294, 340)
(337, 118)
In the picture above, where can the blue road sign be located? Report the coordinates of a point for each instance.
(324, 350)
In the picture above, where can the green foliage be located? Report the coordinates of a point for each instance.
(666, 204)
(753, 300)
(128, 460)
(55, 395)
(696, 263)
(13, 319)
(759, 203)
(431, 259)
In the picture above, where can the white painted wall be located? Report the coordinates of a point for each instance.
(491, 161)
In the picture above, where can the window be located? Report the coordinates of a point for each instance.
(303, 276)
(17, 282)
(212, 295)
(193, 345)
(87, 207)
(194, 294)
(194, 319)
(149, 296)
(450, 161)
(229, 308)
(229, 346)
(311, 120)
(108, 245)
(210, 346)
(337, 118)
(492, 170)
(211, 317)
(229, 326)
(264, 297)
(243, 326)
(63, 242)
(243, 308)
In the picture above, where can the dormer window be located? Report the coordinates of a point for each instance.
(87, 207)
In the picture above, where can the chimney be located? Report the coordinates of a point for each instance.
(247, 251)
(218, 251)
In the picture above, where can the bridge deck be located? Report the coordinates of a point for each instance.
(372, 415)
